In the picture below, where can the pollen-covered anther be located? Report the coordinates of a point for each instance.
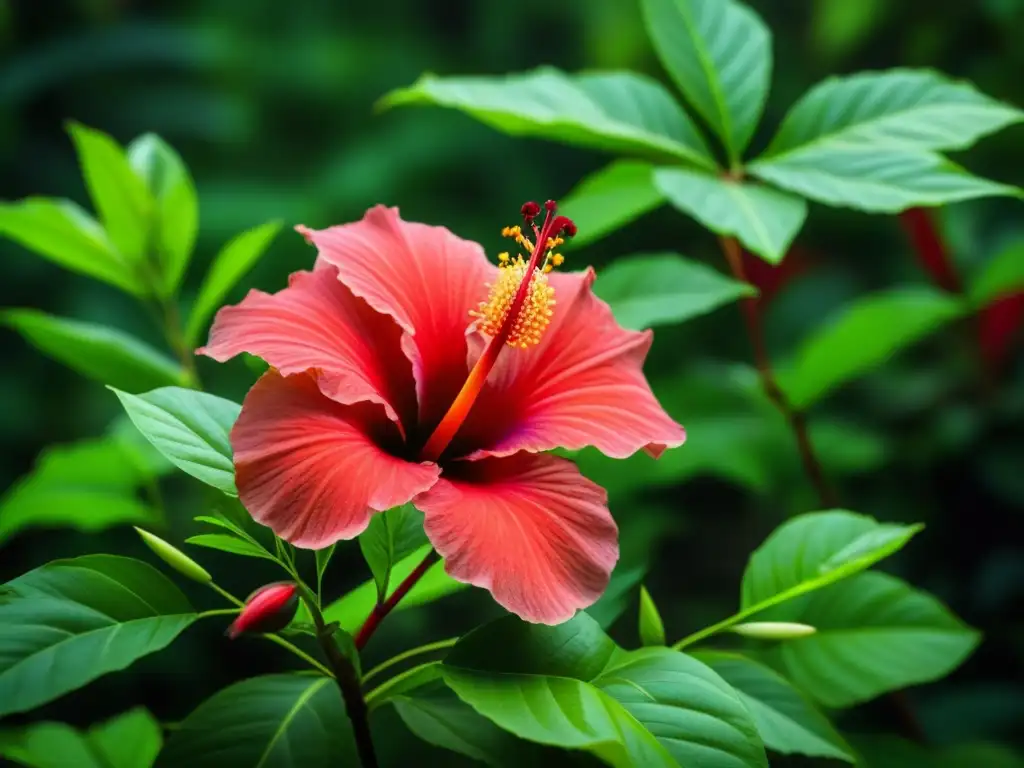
(533, 318)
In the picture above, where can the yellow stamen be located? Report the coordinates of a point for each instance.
(534, 316)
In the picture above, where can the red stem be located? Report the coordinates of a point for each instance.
(797, 421)
(380, 610)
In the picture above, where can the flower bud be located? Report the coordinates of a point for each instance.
(268, 609)
(175, 558)
(774, 630)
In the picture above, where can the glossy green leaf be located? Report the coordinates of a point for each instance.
(232, 544)
(1001, 275)
(229, 266)
(176, 213)
(647, 290)
(877, 179)
(273, 721)
(617, 595)
(571, 686)
(814, 550)
(652, 630)
(130, 740)
(391, 536)
(104, 354)
(863, 335)
(611, 198)
(695, 715)
(875, 634)
(60, 231)
(917, 108)
(439, 717)
(765, 220)
(70, 621)
(786, 720)
(124, 204)
(190, 428)
(719, 53)
(615, 111)
(351, 610)
(89, 486)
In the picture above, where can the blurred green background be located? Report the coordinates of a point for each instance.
(272, 107)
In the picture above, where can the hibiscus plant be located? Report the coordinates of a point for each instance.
(455, 412)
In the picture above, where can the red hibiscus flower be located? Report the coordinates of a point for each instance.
(387, 386)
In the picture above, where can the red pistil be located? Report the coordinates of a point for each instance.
(552, 227)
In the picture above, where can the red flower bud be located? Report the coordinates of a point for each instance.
(268, 609)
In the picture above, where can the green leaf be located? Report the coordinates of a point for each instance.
(876, 179)
(765, 220)
(814, 550)
(89, 486)
(104, 354)
(875, 634)
(391, 536)
(190, 428)
(1001, 275)
(863, 335)
(273, 721)
(611, 198)
(439, 717)
(323, 558)
(232, 544)
(176, 218)
(693, 713)
(617, 595)
(71, 621)
(130, 740)
(60, 231)
(618, 112)
(719, 53)
(920, 109)
(351, 610)
(785, 719)
(652, 630)
(646, 290)
(886, 751)
(120, 196)
(229, 266)
(571, 686)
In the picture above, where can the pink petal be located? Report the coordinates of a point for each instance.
(424, 277)
(529, 528)
(582, 385)
(317, 325)
(314, 470)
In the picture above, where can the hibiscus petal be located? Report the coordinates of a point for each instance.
(424, 277)
(314, 470)
(582, 385)
(529, 528)
(316, 324)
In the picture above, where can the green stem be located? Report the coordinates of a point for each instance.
(387, 685)
(428, 648)
(347, 678)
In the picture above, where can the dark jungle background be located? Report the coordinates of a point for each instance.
(272, 106)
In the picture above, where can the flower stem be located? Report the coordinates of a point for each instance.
(440, 645)
(347, 677)
(796, 419)
(380, 610)
(812, 466)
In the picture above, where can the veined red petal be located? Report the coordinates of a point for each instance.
(529, 528)
(582, 385)
(314, 470)
(424, 277)
(316, 324)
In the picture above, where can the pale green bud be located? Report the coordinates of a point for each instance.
(175, 558)
(774, 630)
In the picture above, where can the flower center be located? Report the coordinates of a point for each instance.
(516, 312)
